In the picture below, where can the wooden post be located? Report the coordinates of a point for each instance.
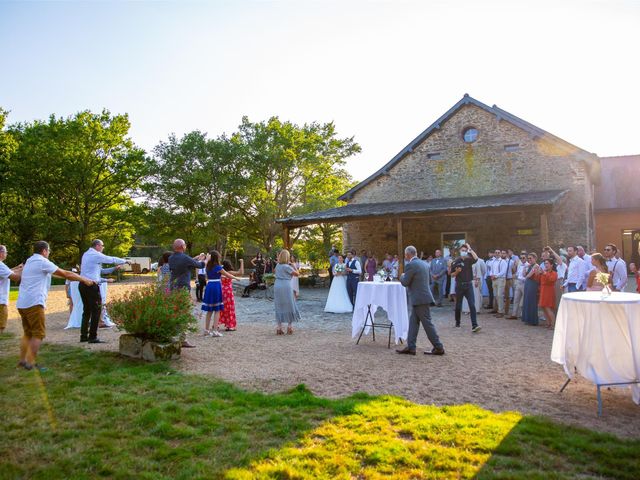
(400, 246)
(286, 237)
(544, 229)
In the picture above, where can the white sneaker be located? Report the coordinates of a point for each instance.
(215, 333)
(206, 333)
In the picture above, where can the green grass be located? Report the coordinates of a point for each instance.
(98, 415)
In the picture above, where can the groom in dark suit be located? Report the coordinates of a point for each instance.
(353, 269)
(416, 278)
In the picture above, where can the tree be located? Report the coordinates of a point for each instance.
(290, 170)
(71, 180)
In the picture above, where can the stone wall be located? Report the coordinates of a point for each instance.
(486, 168)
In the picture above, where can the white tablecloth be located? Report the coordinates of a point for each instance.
(599, 337)
(391, 296)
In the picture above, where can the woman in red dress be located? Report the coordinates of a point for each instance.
(228, 315)
(548, 292)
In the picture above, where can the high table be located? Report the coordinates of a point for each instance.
(392, 297)
(599, 337)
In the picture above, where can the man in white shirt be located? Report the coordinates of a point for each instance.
(353, 269)
(32, 300)
(498, 279)
(91, 267)
(518, 287)
(575, 273)
(617, 267)
(512, 267)
(588, 266)
(6, 275)
(487, 278)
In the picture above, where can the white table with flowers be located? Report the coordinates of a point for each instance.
(391, 297)
(598, 336)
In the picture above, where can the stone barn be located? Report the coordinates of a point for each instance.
(477, 174)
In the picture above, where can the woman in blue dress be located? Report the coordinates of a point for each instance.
(530, 297)
(212, 301)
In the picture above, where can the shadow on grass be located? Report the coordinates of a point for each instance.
(99, 415)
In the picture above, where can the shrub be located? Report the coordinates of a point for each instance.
(154, 314)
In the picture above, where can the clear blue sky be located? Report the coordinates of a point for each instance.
(382, 70)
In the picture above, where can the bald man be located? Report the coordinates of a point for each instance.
(181, 265)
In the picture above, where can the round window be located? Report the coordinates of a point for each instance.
(470, 135)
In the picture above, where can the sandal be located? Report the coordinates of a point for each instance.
(289, 331)
(279, 331)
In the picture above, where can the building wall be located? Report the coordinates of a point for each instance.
(485, 168)
(482, 232)
(609, 227)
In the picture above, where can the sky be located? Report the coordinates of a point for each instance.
(383, 71)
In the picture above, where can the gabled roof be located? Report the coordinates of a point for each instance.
(536, 132)
(361, 211)
(620, 191)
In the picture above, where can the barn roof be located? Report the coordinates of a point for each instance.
(360, 211)
(501, 114)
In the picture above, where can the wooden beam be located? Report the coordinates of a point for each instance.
(400, 246)
(544, 229)
(286, 237)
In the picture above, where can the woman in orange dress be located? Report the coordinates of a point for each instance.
(548, 292)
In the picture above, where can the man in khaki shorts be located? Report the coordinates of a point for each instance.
(32, 300)
(6, 275)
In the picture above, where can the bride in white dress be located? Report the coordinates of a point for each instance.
(338, 299)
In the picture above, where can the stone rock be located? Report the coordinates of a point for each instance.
(136, 347)
(153, 351)
(130, 345)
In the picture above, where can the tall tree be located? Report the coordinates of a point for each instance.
(291, 169)
(75, 177)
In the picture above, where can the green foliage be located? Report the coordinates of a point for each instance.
(153, 313)
(97, 414)
(70, 180)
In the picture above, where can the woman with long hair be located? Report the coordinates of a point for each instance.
(371, 267)
(548, 292)
(258, 264)
(212, 303)
(530, 296)
(283, 298)
(600, 264)
(228, 314)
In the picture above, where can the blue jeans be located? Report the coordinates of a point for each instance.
(572, 288)
(465, 290)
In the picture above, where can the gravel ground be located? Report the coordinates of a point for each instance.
(504, 367)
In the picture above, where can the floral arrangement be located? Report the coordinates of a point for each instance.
(152, 313)
(383, 273)
(269, 278)
(339, 267)
(603, 278)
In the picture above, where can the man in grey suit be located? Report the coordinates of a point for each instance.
(416, 278)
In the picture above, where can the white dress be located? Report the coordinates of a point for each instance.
(338, 299)
(75, 319)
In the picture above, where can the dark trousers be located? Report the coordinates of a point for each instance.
(420, 314)
(465, 290)
(490, 288)
(330, 274)
(202, 282)
(91, 309)
(352, 287)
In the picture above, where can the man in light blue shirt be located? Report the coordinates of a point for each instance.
(439, 275)
(91, 267)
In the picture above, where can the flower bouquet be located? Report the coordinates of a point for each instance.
(339, 267)
(603, 278)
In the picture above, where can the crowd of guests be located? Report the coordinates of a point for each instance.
(520, 285)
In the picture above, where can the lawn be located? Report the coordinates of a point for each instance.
(98, 415)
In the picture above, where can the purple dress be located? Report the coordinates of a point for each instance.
(371, 270)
